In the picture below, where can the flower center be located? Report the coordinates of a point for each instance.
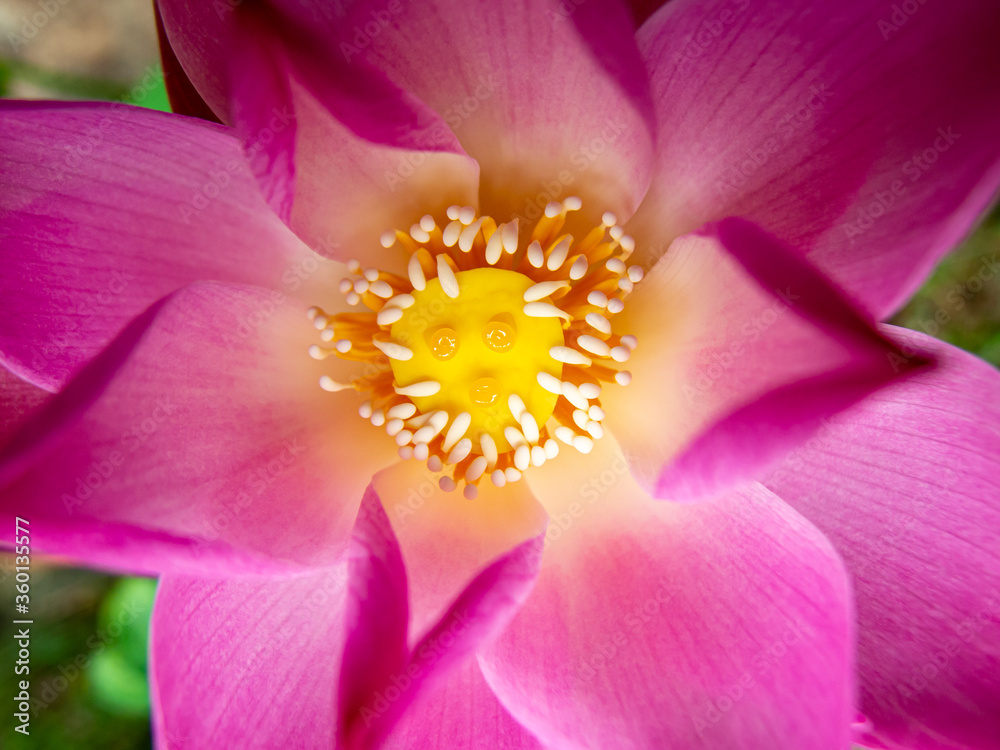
(490, 350)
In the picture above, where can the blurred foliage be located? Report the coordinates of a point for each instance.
(960, 302)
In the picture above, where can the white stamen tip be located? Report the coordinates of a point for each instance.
(421, 451)
(467, 239)
(635, 274)
(590, 390)
(557, 256)
(406, 452)
(609, 219)
(370, 274)
(514, 437)
(550, 383)
(402, 301)
(434, 463)
(476, 469)
(404, 437)
(594, 345)
(381, 289)
(462, 449)
(394, 426)
(447, 278)
(596, 413)
(598, 322)
(388, 239)
(551, 449)
(416, 273)
(529, 427)
(326, 334)
(623, 378)
(365, 410)
(573, 203)
(451, 233)
(494, 248)
(345, 286)
(402, 411)
(498, 478)
(361, 286)
(522, 457)
(394, 351)
(630, 341)
(536, 256)
(352, 298)
(542, 289)
(621, 353)
(598, 299)
(458, 428)
(467, 214)
(388, 315)
(420, 234)
(470, 492)
(447, 484)
(510, 237)
(579, 268)
(427, 223)
(516, 406)
(538, 455)
(565, 434)
(418, 390)
(583, 444)
(329, 384)
(452, 212)
(569, 356)
(512, 474)
(343, 346)
(553, 209)
(615, 265)
(544, 310)
(615, 305)
(489, 448)
(595, 429)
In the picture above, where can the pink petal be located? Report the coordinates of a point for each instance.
(723, 624)
(743, 350)
(247, 663)
(549, 97)
(461, 714)
(905, 486)
(203, 422)
(18, 399)
(863, 134)
(445, 539)
(380, 677)
(105, 208)
(342, 155)
(184, 97)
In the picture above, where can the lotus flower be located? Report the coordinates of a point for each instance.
(654, 476)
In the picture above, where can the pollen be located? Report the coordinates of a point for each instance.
(495, 346)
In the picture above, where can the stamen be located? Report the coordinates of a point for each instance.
(521, 357)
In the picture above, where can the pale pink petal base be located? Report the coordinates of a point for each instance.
(724, 624)
(905, 484)
(743, 349)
